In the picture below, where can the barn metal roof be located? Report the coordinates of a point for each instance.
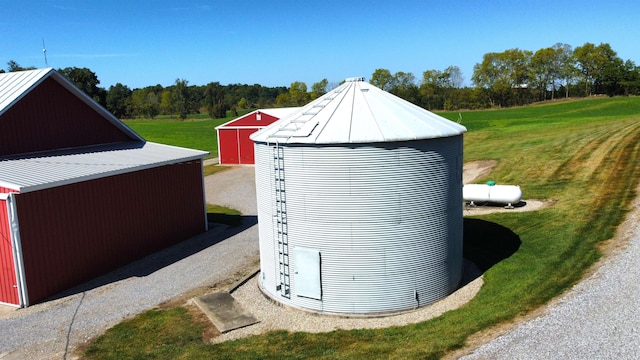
(357, 112)
(15, 85)
(275, 112)
(46, 170)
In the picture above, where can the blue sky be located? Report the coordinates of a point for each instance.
(274, 43)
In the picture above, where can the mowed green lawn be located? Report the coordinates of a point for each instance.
(195, 132)
(583, 155)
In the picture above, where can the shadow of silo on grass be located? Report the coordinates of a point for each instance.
(487, 243)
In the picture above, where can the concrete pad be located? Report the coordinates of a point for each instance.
(224, 311)
(5, 311)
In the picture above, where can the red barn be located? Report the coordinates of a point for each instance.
(234, 145)
(80, 192)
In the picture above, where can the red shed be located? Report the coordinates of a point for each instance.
(80, 192)
(234, 145)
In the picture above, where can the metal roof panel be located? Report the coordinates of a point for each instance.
(46, 170)
(14, 85)
(275, 112)
(358, 112)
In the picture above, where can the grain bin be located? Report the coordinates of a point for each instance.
(359, 204)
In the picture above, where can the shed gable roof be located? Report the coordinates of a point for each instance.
(40, 110)
(251, 119)
(33, 108)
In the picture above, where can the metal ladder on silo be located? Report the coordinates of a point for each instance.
(281, 226)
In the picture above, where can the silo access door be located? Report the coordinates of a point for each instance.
(307, 273)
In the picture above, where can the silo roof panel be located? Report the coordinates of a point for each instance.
(358, 112)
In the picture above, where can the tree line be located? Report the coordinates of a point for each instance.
(502, 79)
(519, 77)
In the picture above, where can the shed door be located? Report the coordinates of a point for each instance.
(245, 146)
(307, 273)
(8, 280)
(229, 151)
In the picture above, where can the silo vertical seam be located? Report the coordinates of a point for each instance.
(375, 119)
(321, 129)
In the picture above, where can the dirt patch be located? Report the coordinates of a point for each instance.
(200, 318)
(522, 206)
(474, 170)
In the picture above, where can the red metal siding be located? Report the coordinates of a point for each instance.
(228, 151)
(50, 117)
(246, 146)
(235, 146)
(8, 288)
(75, 232)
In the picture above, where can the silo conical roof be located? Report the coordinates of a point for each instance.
(357, 112)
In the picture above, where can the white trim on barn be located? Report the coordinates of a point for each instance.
(16, 245)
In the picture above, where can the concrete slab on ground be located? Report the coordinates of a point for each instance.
(224, 311)
(5, 311)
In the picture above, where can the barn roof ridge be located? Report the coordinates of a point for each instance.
(278, 112)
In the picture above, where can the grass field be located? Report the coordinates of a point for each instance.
(195, 132)
(582, 154)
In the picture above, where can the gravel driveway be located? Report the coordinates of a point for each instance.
(53, 329)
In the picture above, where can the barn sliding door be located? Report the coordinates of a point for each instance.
(8, 279)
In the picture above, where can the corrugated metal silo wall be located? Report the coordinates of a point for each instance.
(385, 218)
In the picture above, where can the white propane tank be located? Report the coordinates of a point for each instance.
(490, 192)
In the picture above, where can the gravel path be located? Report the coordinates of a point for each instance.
(235, 188)
(276, 317)
(598, 319)
(53, 329)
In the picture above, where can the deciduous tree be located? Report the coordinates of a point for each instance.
(298, 93)
(214, 99)
(14, 66)
(181, 98)
(383, 79)
(591, 61)
(318, 89)
(87, 81)
(118, 97)
(502, 73)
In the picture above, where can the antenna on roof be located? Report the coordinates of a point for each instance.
(44, 51)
